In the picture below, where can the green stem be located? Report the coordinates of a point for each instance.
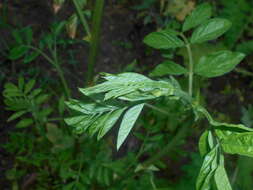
(57, 67)
(95, 38)
(244, 72)
(152, 181)
(157, 109)
(189, 51)
(81, 16)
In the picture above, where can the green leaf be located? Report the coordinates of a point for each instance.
(130, 87)
(41, 98)
(30, 56)
(164, 39)
(89, 108)
(35, 93)
(207, 170)
(16, 115)
(239, 144)
(81, 123)
(29, 86)
(221, 125)
(21, 83)
(98, 123)
(218, 63)
(210, 30)
(128, 122)
(220, 176)
(24, 123)
(17, 52)
(168, 68)
(75, 120)
(203, 144)
(114, 116)
(198, 16)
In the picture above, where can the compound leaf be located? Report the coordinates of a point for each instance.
(130, 87)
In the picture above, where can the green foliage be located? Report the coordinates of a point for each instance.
(218, 63)
(23, 99)
(155, 116)
(198, 16)
(168, 68)
(210, 30)
(134, 91)
(128, 122)
(239, 13)
(163, 40)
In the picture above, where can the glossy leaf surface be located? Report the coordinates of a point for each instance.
(210, 30)
(218, 63)
(127, 123)
(220, 176)
(207, 170)
(164, 39)
(239, 144)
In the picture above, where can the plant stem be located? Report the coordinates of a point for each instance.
(190, 69)
(152, 181)
(157, 109)
(244, 72)
(57, 67)
(81, 16)
(95, 38)
(189, 51)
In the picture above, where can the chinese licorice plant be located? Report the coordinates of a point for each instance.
(122, 97)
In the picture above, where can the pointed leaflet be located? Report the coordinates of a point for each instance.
(220, 176)
(17, 52)
(168, 68)
(210, 30)
(207, 170)
(163, 39)
(203, 144)
(127, 123)
(218, 63)
(114, 116)
(29, 86)
(16, 115)
(239, 144)
(198, 16)
(88, 108)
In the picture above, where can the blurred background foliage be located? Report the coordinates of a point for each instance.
(44, 57)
